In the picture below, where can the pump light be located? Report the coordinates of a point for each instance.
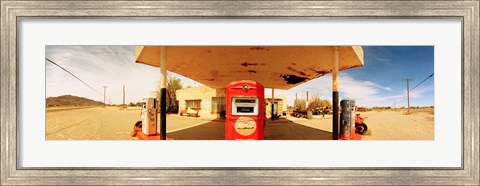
(245, 88)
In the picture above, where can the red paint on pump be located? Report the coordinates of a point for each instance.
(245, 89)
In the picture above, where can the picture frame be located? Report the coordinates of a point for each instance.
(12, 11)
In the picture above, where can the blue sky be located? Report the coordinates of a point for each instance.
(388, 66)
(378, 83)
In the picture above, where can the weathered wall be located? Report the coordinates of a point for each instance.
(206, 93)
(282, 104)
(203, 93)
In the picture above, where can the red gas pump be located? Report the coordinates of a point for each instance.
(245, 110)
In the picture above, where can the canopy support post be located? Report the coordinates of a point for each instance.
(273, 102)
(163, 93)
(335, 94)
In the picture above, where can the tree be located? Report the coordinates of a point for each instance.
(299, 104)
(317, 102)
(173, 84)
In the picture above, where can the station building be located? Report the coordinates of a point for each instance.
(210, 102)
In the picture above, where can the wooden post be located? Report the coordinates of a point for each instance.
(335, 93)
(163, 93)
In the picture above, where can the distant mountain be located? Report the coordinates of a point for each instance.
(69, 100)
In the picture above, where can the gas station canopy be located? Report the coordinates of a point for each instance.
(279, 67)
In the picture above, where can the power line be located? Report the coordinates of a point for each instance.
(72, 75)
(421, 82)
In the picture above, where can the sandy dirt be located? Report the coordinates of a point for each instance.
(113, 124)
(386, 125)
(99, 123)
(390, 125)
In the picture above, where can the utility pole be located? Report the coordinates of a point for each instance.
(123, 95)
(306, 107)
(395, 105)
(408, 95)
(104, 94)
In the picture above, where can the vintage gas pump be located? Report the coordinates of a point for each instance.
(347, 119)
(245, 107)
(149, 116)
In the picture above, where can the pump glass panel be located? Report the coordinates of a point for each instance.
(244, 106)
(244, 109)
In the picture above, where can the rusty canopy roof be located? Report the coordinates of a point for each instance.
(279, 67)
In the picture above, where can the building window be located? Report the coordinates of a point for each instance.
(194, 104)
(218, 105)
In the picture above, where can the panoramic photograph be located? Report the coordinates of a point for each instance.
(239, 92)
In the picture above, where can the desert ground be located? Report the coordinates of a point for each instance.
(382, 125)
(97, 123)
(111, 123)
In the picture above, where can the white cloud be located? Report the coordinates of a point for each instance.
(419, 92)
(98, 66)
(365, 93)
(114, 66)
